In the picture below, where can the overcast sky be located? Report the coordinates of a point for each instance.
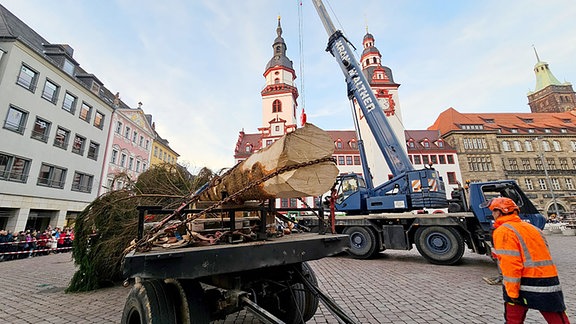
(197, 66)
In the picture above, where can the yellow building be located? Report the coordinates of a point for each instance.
(162, 153)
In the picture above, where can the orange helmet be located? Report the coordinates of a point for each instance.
(503, 204)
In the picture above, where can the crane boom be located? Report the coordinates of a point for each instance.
(359, 88)
(408, 189)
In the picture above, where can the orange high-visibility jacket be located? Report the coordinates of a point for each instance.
(526, 264)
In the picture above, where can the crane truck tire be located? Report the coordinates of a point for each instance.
(191, 301)
(439, 245)
(363, 242)
(149, 302)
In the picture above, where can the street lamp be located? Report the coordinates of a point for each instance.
(545, 166)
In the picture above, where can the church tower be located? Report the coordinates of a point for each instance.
(550, 95)
(386, 91)
(279, 96)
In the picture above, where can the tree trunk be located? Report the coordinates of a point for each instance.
(305, 144)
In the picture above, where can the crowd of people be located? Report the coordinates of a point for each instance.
(31, 243)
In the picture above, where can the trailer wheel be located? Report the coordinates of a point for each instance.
(189, 298)
(440, 245)
(311, 300)
(197, 308)
(362, 242)
(149, 302)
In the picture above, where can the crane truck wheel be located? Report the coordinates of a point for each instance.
(149, 302)
(439, 245)
(363, 243)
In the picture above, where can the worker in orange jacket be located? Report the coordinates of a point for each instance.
(530, 278)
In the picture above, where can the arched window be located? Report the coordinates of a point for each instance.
(276, 81)
(277, 106)
(506, 146)
(528, 146)
(546, 146)
(248, 148)
(517, 146)
(557, 146)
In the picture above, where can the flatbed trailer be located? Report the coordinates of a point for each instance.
(269, 277)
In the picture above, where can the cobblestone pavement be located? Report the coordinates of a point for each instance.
(396, 287)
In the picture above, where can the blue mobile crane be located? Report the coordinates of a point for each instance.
(381, 217)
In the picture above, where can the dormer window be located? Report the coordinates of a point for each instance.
(248, 148)
(514, 130)
(353, 144)
(547, 130)
(338, 143)
(68, 67)
(426, 143)
(411, 143)
(440, 143)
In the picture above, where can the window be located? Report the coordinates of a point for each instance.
(62, 137)
(506, 146)
(147, 144)
(425, 159)
(50, 91)
(51, 176)
(99, 120)
(526, 164)
(411, 144)
(69, 103)
(450, 159)
(480, 163)
(41, 130)
(268, 142)
(27, 78)
(513, 164)
(573, 144)
(542, 184)
(517, 146)
(569, 184)
(16, 120)
(442, 159)
(528, 146)
(130, 163)
(539, 165)
(78, 145)
(417, 159)
(514, 130)
(557, 146)
(114, 157)
(546, 146)
(284, 203)
(341, 160)
(277, 106)
(434, 159)
(440, 143)
(119, 127)
(277, 128)
(127, 132)
(155, 151)
(143, 166)
(134, 136)
(452, 178)
(555, 184)
(551, 163)
(339, 144)
(85, 112)
(353, 144)
(123, 160)
(563, 163)
(356, 160)
(137, 166)
(93, 149)
(82, 182)
(348, 160)
(14, 168)
(426, 144)
(293, 202)
(248, 148)
(141, 142)
(68, 67)
(529, 185)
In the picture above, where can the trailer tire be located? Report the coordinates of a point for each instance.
(196, 306)
(149, 302)
(439, 245)
(363, 244)
(190, 302)
(311, 299)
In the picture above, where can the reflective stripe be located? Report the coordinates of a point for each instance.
(511, 279)
(508, 252)
(528, 262)
(540, 289)
(538, 263)
(416, 186)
